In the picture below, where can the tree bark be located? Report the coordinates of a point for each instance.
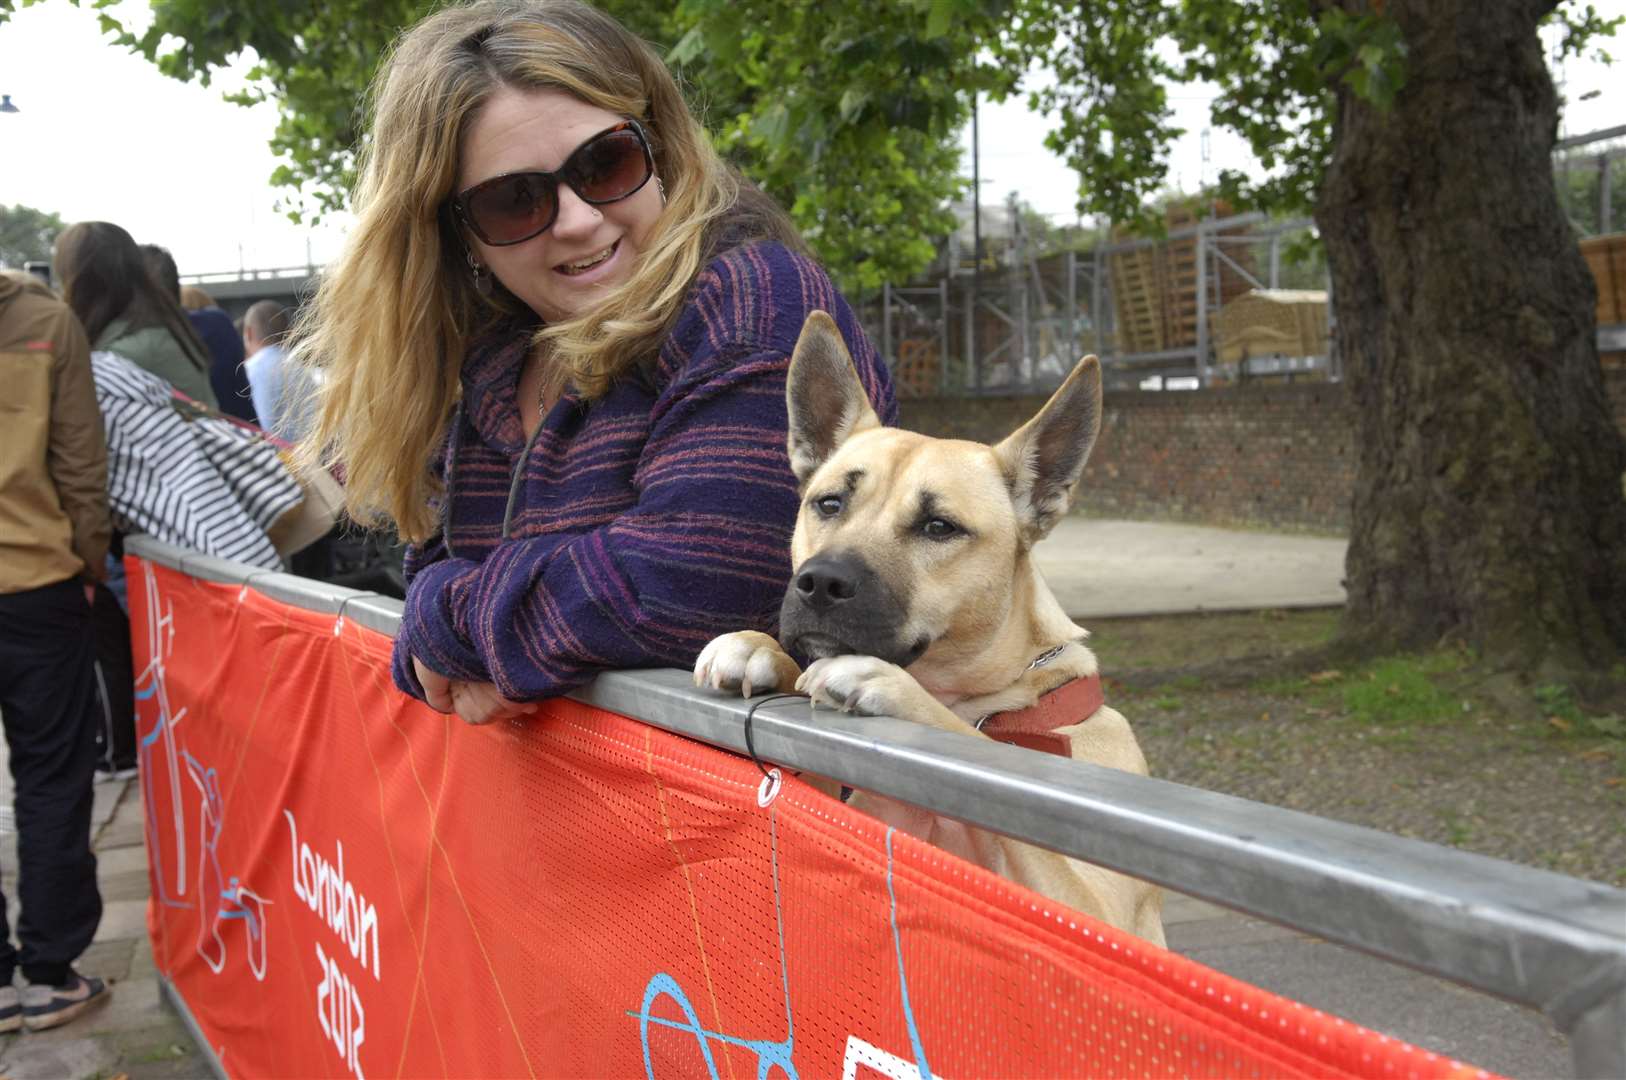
(1488, 504)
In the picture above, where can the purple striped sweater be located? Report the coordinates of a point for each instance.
(642, 524)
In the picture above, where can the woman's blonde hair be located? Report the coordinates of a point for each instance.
(393, 316)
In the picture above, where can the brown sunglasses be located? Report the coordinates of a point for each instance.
(512, 208)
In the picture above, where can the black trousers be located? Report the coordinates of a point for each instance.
(48, 704)
(115, 684)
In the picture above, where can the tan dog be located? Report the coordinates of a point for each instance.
(915, 592)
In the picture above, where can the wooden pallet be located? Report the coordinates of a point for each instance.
(1180, 293)
(1606, 258)
(1137, 294)
(919, 371)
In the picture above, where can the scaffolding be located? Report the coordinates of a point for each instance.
(1145, 306)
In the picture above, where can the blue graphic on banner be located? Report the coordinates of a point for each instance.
(777, 1054)
(223, 900)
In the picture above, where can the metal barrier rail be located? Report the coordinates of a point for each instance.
(1539, 939)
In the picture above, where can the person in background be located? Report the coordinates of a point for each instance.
(282, 393)
(284, 397)
(53, 501)
(105, 280)
(214, 328)
(556, 348)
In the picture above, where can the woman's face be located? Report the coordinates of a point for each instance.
(564, 270)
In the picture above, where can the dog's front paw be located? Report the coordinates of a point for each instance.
(746, 661)
(864, 685)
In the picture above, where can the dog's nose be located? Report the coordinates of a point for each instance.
(824, 583)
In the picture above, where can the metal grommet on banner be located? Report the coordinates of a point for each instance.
(750, 748)
(768, 790)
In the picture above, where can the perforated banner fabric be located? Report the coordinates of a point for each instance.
(344, 882)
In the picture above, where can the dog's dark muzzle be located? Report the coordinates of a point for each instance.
(838, 606)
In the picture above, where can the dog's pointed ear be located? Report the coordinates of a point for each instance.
(1044, 458)
(825, 398)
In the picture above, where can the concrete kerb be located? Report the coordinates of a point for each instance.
(1111, 569)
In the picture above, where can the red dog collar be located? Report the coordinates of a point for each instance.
(1035, 726)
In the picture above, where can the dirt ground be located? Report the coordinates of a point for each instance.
(1424, 746)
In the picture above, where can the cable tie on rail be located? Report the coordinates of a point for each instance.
(338, 625)
(750, 747)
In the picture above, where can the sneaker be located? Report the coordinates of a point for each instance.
(11, 1009)
(47, 1006)
(106, 776)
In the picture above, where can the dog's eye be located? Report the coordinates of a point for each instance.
(828, 505)
(939, 529)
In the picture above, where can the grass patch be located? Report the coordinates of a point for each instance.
(154, 1055)
(1171, 642)
(1403, 691)
(1557, 703)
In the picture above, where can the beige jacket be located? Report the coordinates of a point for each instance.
(53, 456)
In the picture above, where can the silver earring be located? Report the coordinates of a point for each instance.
(481, 276)
(660, 185)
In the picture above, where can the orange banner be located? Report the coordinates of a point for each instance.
(346, 883)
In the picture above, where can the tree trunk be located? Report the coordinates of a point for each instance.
(1488, 500)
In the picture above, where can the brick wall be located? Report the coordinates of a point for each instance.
(1279, 457)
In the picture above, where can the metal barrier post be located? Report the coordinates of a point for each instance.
(886, 325)
(1202, 308)
(1598, 1037)
(1095, 300)
(1605, 210)
(1072, 308)
(970, 382)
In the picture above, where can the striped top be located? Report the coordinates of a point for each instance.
(202, 483)
(643, 524)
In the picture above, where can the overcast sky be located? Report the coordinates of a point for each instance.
(102, 135)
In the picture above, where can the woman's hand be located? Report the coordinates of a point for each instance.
(437, 688)
(480, 703)
(475, 702)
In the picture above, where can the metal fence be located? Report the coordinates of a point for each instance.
(1539, 939)
(1146, 307)
(1590, 171)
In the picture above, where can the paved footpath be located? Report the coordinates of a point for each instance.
(1098, 569)
(134, 1034)
(1119, 568)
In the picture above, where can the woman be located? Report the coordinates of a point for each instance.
(555, 356)
(125, 310)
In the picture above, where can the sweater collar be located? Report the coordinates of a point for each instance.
(490, 379)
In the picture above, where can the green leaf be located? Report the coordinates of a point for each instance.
(853, 101)
(691, 45)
